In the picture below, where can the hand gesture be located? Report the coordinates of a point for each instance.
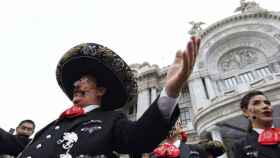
(182, 67)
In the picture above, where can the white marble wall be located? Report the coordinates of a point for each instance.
(144, 100)
(143, 103)
(198, 95)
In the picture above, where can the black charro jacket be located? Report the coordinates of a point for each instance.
(11, 144)
(98, 134)
(248, 147)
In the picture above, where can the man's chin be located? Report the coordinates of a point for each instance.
(268, 120)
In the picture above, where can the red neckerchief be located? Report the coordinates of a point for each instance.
(269, 136)
(167, 150)
(184, 136)
(74, 111)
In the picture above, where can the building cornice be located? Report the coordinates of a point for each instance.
(237, 18)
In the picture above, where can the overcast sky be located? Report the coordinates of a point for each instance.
(34, 34)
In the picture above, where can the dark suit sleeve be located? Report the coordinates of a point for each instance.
(197, 148)
(238, 151)
(11, 144)
(145, 134)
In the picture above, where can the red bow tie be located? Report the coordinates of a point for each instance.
(167, 151)
(184, 136)
(74, 111)
(270, 136)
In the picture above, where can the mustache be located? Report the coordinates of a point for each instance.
(75, 101)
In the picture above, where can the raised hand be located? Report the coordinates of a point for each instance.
(182, 67)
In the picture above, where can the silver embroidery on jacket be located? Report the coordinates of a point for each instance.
(67, 141)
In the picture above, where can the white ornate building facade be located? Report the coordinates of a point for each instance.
(237, 54)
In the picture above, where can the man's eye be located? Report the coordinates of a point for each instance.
(267, 102)
(256, 102)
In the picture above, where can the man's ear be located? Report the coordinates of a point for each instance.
(245, 112)
(16, 129)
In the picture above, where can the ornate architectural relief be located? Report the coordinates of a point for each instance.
(238, 59)
(247, 7)
(277, 36)
(196, 28)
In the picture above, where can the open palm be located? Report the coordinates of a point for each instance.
(182, 67)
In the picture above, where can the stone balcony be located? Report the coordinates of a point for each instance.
(226, 108)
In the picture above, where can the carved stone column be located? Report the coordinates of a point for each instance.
(209, 87)
(143, 102)
(145, 98)
(197, 93)
(276, 67)
(153, 93)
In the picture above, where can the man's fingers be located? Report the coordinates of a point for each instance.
(186, 59)
(190, 56)
(194, 41)
(198, 44)
(196, 50)
(178, 56)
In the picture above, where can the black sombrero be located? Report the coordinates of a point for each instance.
(109, 68)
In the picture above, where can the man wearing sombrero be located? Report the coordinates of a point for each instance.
(98, 81)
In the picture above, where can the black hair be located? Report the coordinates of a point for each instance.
(245, 102)
(246, 99)
(27, 121)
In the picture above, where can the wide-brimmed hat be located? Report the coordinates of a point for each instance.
(105, 65)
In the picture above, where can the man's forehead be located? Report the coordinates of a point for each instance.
(27, 124)
(258, 98)
(83, 80)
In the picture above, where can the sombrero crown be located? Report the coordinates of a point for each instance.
(109, 69)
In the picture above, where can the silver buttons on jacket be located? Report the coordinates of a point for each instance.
(48, 136)
(56, 127)
(38, 146)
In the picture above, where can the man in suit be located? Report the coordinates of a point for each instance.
(98, 81)
(23, 132)
(262, 139)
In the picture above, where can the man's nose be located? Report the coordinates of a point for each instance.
(266, 106)
(26, 131)
(76, 99)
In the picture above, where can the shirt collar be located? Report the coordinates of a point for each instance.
(89, 108)
(177, 143)
(260, 130)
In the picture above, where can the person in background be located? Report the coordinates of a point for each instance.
(262, 139)
(175, 146)
(24, 130)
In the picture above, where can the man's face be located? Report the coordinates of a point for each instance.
(25, 129)
(86, 92)
(178, 127)
(259, 111)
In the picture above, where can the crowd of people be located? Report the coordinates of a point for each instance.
(98, 82)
